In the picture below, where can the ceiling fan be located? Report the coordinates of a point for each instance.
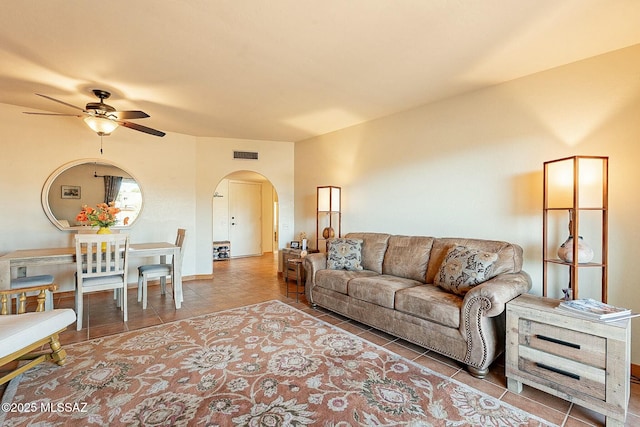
(102, 118)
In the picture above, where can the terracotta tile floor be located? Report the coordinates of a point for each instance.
(244, 281)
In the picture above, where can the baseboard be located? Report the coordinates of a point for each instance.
(184, 279)
(197, 277)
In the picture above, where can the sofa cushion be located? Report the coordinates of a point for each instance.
(374, 246)
(509, 255)
(463, 268)
(344, 254)
(379, 290)
(407, 256)
(430, 303)
(337, 280)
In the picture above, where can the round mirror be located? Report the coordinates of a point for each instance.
(89, 182)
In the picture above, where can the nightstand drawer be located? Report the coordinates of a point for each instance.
(581, 347)
(564, 373)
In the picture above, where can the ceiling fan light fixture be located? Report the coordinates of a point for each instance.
(101, 125)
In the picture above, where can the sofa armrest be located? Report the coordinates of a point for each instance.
(497, 292)
(482, 323)
(312, 264)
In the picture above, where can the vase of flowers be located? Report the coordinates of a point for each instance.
(103, 216)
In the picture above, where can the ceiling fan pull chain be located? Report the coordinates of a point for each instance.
(100, 144)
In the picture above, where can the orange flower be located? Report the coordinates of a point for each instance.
(103, 216)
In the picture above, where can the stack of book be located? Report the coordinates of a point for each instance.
(596, 310)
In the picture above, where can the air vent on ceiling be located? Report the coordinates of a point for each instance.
(250, 155)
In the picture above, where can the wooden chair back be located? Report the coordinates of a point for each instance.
(101, 255)
(21, 301)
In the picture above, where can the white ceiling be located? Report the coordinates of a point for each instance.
(288, 69)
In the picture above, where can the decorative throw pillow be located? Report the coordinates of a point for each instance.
(344, 254)
(463, 268)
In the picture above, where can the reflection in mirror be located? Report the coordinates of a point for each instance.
(90, 182)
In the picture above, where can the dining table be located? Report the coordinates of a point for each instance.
(24, 258)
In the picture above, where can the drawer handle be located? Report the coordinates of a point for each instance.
(557, 341)
(558, 371)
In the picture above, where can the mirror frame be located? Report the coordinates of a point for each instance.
(46, 188)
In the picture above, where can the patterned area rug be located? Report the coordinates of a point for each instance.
(262, 365)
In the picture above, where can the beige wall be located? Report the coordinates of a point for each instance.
(178, 175)
(471, 166)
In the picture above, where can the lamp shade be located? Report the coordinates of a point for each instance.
(581, 175)
(329, 199)
(102, 126)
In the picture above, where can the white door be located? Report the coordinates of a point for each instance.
(245, 222)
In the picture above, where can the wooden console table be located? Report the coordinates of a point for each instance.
(583, 361)
(39, 257)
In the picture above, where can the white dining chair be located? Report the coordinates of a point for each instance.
(102, 261)
(159, 271)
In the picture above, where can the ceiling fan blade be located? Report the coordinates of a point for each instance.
(126, 115)
(52, 114)
(141, 128)
(61, 102)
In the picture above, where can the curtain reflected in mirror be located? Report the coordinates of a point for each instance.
(111, 187)
(89, 182)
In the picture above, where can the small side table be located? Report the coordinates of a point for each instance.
(294, 266)
(580, 360)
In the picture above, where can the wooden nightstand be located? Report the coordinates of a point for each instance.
(295, 266)
(583, 361)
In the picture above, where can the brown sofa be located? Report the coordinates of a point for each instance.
(395, 292)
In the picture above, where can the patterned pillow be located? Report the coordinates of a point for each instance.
(345, 254)
(463, 268)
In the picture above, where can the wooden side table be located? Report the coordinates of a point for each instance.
(583, 361)
(294, 266)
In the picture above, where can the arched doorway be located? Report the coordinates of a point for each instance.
(245, 216)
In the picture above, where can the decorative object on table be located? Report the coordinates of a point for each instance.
(252, 365)
(103, 216)
(103, 230)
(70, 191)
(294, 244)
(593, 309)
(328, 215)
(576, 185)
(303, 240)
